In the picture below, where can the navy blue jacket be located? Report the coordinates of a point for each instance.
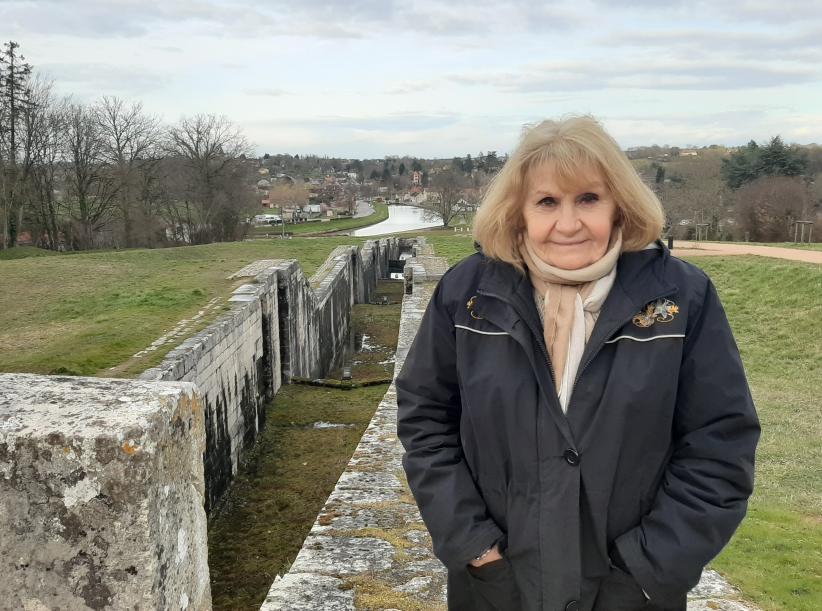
(655, 458)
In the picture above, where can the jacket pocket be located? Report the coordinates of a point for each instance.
(619, 591)
(650, 489)
(494, 584)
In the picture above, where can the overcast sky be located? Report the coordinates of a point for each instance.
(368, 78)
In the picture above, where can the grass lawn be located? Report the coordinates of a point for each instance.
(85, 313)
(774, 308)
(282, 486)
(803, 246)
(285, 480)
(24, 252)
(318, 227)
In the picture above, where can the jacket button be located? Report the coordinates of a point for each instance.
(572, 458)
(572, 606)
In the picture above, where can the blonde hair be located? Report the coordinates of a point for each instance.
(572, 144)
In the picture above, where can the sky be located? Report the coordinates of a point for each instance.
(370, 78)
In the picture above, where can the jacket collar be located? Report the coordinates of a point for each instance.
(640, 279)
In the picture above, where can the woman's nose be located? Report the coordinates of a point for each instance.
(567, 221)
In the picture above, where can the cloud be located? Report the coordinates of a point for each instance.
(729, 128)
(328, 19)
(412, 87)
(391, 122)
(641, 73)
(107, 79)
(134, 18)
(718, 43)
(770, 12)
(270, 92)
(729, 11)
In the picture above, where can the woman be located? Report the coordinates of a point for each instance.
(578, 428)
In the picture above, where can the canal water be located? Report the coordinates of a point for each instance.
(401, 218)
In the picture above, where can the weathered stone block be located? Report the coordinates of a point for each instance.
(301, 591)
(101, 494)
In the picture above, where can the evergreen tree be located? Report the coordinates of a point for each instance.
(754, 161)
(15, 101)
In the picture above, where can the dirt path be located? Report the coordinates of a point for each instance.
(694, 249)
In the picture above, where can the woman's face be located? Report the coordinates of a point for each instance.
(568, 225)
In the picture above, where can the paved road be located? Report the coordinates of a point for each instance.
(363, 209)
(694, 249)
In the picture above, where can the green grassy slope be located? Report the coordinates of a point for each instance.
(84, 313)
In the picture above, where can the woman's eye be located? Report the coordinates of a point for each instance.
(589, 198)
(546, 201)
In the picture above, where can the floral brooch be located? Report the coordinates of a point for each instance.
(661, 310)
(470, 307)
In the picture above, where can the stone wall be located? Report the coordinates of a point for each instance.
(281, 325)
(232, 364)
(101, 495)
(368, 547)
(315, 330)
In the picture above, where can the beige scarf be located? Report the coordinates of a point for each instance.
(569, 302)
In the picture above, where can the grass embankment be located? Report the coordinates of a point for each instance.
(320, 227)
(285, 480)
(803, 246)
(774, 308)
(24, 252)
(85, 313)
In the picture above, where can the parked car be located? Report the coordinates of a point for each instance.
(268, 219)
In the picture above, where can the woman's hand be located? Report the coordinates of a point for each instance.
(489, 557)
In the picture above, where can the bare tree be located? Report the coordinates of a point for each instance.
(447, 204)
(91, 187)
(128, 137)
(210, 148)
(285, 195)
(46, 123)
(767, 207)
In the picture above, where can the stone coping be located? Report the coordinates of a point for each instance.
(78, 407)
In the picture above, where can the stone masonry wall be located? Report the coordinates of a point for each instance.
(231, 363)
(101, 495)
(368, 547)
(281, 325)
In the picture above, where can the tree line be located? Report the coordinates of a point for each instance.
(108, 174)
(104, 174)
(774, 185)
(755, 192)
